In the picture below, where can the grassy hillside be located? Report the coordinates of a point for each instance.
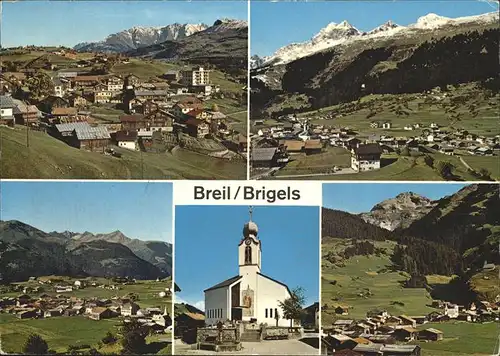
(48, 157)
(366, 283)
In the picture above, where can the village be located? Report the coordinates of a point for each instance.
(78, 99)
(68, 300)
(384, 334)
(297, 138)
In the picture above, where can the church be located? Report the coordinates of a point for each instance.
(250, 296)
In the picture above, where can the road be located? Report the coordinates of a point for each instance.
(267, 173)
(267, 347)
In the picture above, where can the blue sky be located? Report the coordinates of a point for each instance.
(361, 197)
(139, 210)
(276, 24)
(206, 252)
(68, 23)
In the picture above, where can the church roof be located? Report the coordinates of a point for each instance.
(276, 281)
(225, 283)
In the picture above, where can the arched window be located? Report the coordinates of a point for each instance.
(248, 255)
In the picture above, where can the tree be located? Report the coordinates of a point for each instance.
(134, 338)
(429, 160)
(485, 174)
(40, 85)
(109, 338)
(445, 169)
(215, 108)
(35, 345)
(292, 307)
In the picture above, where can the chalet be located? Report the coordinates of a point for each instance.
(49, 103)
(400, 350)
(102, 96)
(197, 128)
(264, 157)
(199, 114)
(430, 334)
(127, 139)
(53, 312)
(451, 310)
(132, 81)
(113, 83)
(293, 146)
(129, 309)
(7, 111)
(406, 334)
(186, 322)
(484, 151)
(149, 106)
(366, 157)
(313, 146)
(172, 75)
(132, 122)
(310, 317)
(420, 319)
(342, 310)
(407, 321)
(340, 341)
(342, 324)
(352, 143)
(98, 313)
(85, 81)
(26, 114)
(82, 135)
(242, 143)
(156, 95)
(64, 114)
(27, 314)
(447, 150)
(369, 350)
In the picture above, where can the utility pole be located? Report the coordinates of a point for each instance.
(27, 133)
(142, 166)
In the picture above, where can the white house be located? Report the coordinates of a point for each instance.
(250, 295)
(408, 128)
(6, 110)
(387, 125)
(127, 139)
(451, 310)
(366, 157)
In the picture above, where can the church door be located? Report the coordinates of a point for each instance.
(236, 314)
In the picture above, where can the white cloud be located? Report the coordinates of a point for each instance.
(200, 305)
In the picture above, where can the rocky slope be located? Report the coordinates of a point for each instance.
(399, 212)
(27, 251)
(137, 37)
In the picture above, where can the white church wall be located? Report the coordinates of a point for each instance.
(216, 303)
(269, 293)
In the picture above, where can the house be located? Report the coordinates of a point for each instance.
(53, 312)
(129, 309)
(369, 350)
(113, 83)
(99, 313)
(188, 322)
(127, 139)
(264, 157)
(374, 125)
(420, 319)
(59, 87)
(27, 314)
(400, 350)
(293, 146)
(60, 114)
(340, 341)
(447, 150)
(342, 324)
(102, 96)
(7, 111)
(159, 120)
(172, 75)
(132, 122)
(156, 95)
(313, 146)
(387, 125)
(26, 114)
(85, 81)
(195, 77)
(50, 102)
(181, 109)
(242, 143)
(82, 135)
(352, 143)
(405, 334)
(342, 310)
(197, 128)
(77, 100)
(451, 310)
(366, 157)
(408, 128)
(132, 81)
(430, 334)
(310, 317)
(346, 352)
(199, 114)
(407, 321)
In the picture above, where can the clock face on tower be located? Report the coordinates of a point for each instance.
(248, 241)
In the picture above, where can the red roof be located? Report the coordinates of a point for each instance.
(126, 136)
(194, 122)
(195, 112)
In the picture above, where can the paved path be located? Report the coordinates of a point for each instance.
(340, 172)
(266, 347)
(465, 164)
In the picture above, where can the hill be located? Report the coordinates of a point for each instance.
(224, 45)
(339, 224)
(48, 157)
(26, 251)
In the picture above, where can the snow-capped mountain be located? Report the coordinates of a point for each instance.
(385, 28)
(344, 33)
(137, 37)
(225, 25)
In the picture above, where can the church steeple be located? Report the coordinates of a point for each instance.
(249, 249)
